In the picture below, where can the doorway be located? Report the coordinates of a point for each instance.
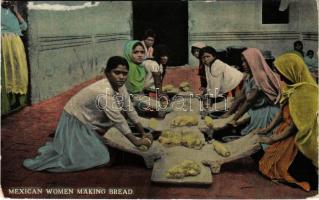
(169, 20)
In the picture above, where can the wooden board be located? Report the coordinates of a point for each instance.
(175, 155)
(240, 148)
(165, 157)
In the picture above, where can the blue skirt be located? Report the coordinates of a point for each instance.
(260, 118)
(75, 147)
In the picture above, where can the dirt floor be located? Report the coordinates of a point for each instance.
(25, 131)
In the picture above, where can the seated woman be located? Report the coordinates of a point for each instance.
(77, 144)
(260, 93)
(293, 152)
(135, 54)
(221, 78)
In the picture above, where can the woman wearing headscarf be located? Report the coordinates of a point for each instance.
(294, 143)
(260, 93)
(134, 53)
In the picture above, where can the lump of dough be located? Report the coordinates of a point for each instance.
(185, 120)
(185, 168)
(189, 138)
(167, 87)
(220, 148)
(184, 84)
(209, 122)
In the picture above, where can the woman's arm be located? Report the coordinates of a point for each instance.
(249, 101)
(141, 130)
(138, 141)
(157, 81)
(23, 24)
(278, 118)
(275, 138)
(132, 114)
(237, 101)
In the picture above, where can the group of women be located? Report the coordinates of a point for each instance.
(282, 106)
(77, 144)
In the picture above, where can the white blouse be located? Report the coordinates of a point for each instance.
(100, 107)
(221, 78)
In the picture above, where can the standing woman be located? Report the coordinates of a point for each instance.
(260, 93)
(293, 152)
(14, 70)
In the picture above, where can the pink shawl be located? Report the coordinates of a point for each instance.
(264, 77)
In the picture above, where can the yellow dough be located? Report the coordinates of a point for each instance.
(209, 121)
(191, 141)
(167, 87)
(170, 88)
(153, 123)
(185, 168)
(143, 148)
(188, 139)
(186, 89)
(174, 90)
(221, 149)
(184, 84)
(184, 120)
(170, 137)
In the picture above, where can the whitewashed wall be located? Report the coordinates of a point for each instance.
(239, 23)
(70, 41)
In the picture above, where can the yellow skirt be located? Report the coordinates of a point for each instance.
(14, 64)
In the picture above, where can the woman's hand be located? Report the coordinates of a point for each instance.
(259, 131)
(143, 141)
(149, 136)
(266, 140)
(224, 115)
(14, 8)
(233, 123)
(139, 141)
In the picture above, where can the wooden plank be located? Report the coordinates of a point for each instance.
(166, 157)
(240, 148)
(175, 155)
